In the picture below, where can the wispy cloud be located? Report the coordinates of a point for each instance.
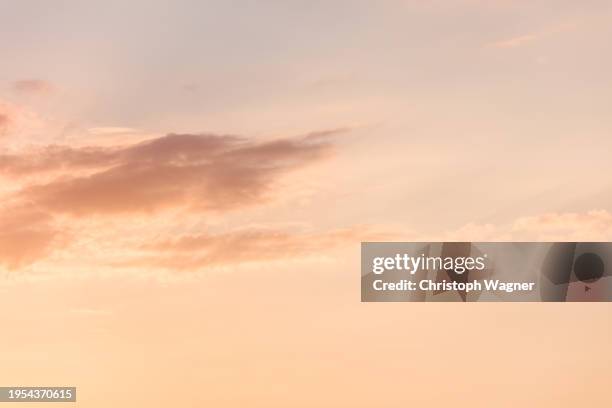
(33, 86)
(525, 39)
(595, 225)
(111, 130)
(516, 41)
(247, 246)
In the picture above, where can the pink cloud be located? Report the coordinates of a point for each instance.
(248, 246)
(26, 235)
(198, 172)
(33, 86)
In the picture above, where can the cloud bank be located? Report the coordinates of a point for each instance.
(198, 173)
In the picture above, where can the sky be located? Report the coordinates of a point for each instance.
(185, 184)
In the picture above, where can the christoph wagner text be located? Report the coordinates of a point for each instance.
(413, 263)
(428, 285)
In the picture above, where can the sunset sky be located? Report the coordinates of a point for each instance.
(185, 184)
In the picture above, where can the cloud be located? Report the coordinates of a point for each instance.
(26, 235)
(56, 158)
(193, 172)
(199, 172)
(247, 246)
(515, 42)
(7, 117)
(111, 130)
(522, 40)
(4, 123)
(33, 86)
(18, 122)
(595, 225)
